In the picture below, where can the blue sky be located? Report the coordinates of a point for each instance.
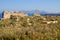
(46, 5)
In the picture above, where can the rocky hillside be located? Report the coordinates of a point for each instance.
(30, 28)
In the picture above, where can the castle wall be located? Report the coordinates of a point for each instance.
(7, 14)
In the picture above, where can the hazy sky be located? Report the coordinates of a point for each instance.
(46, 5)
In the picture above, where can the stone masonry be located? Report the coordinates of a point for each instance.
(8, 14)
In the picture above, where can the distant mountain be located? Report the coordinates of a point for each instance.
(40, 12)
(34, 11)
(28, 12)
(0, 14)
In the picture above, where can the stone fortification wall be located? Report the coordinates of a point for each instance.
(7, 14)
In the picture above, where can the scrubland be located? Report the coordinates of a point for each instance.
(30, 28)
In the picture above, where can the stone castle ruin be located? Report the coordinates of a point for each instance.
(8, 14)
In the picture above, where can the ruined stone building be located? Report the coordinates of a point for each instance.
(8, 14)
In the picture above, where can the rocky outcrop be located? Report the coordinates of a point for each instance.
(49, 22)
(37, 14)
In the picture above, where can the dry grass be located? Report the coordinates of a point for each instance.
(10, 29)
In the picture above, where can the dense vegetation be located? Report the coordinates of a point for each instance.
(29, 28)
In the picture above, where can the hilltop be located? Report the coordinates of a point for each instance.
(31, 13)
(36, 27)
